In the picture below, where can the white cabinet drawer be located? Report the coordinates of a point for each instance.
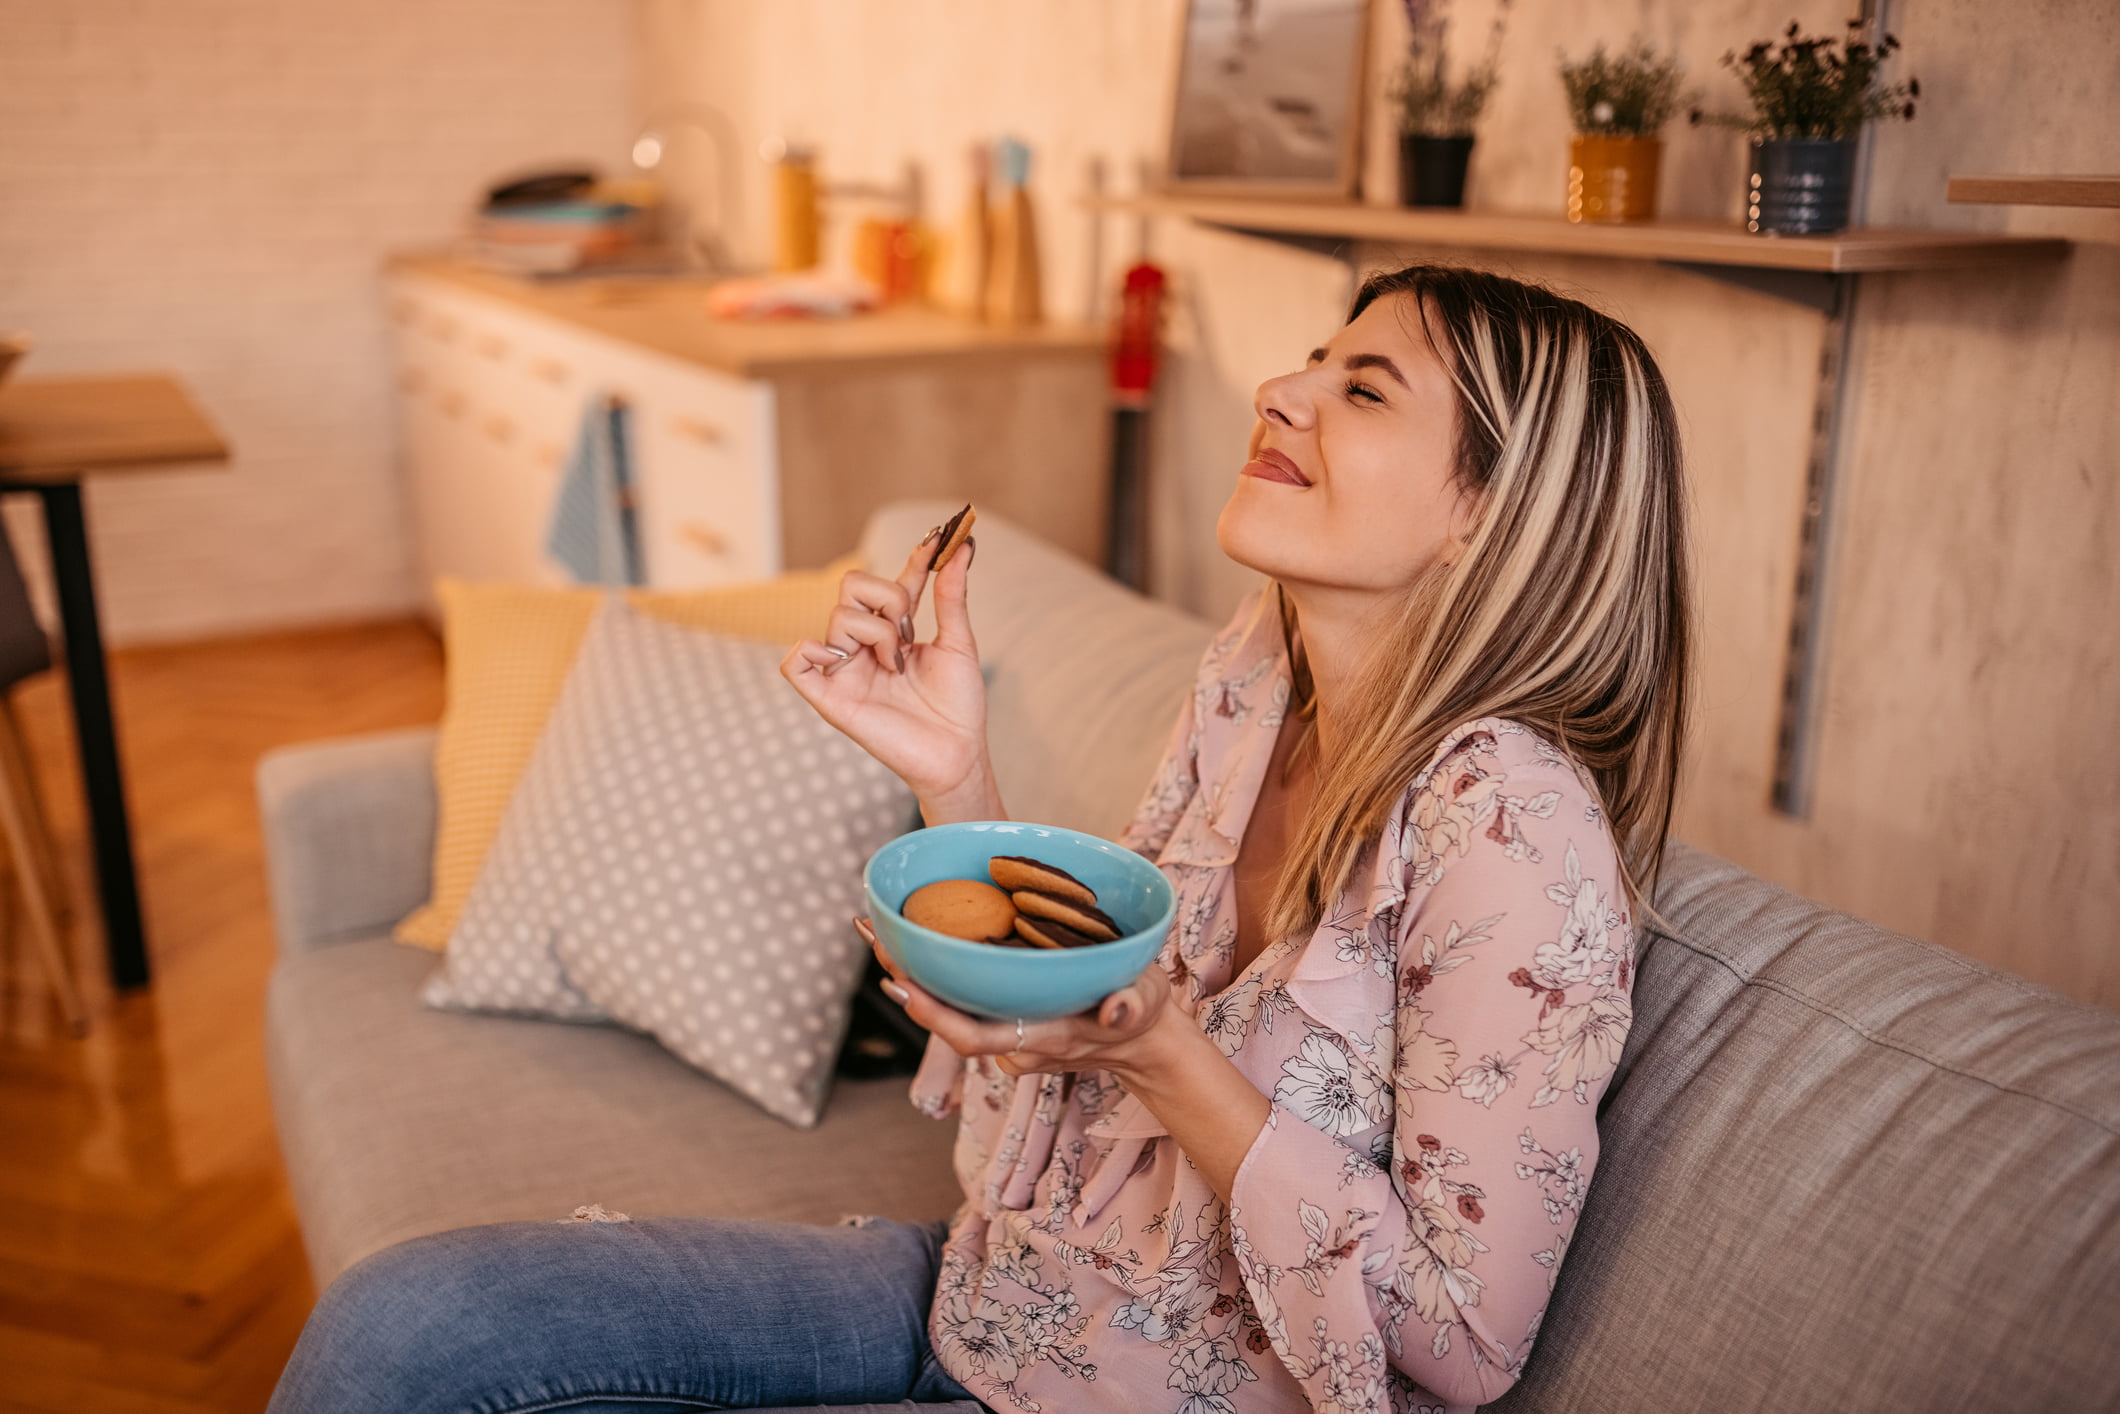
(703, 475)
(493, 398)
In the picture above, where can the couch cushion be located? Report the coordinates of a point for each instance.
(509, 648)
(1086, 675)
(682, 857)
(397, 1121)
(1840, 1169)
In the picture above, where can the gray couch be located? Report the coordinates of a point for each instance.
(1842, 1169)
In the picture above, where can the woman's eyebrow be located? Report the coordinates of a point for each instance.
(1367, 360)
(1355, 361)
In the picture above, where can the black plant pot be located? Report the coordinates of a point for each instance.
(1800, 185)
(1432, 170)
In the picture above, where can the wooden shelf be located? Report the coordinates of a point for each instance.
(1690, 242)
(1991, 189)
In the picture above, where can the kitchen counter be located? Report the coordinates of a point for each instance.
(668, 314)
(754, 447)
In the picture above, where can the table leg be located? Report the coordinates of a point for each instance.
(88, 681)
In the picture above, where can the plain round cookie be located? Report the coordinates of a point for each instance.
(962, 908)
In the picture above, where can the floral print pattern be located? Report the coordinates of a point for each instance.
(1434, 1051)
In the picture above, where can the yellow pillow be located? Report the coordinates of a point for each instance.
(508, 649)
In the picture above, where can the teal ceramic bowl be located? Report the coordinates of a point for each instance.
(1033, 983)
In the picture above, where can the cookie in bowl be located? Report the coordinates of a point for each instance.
(1032, 982)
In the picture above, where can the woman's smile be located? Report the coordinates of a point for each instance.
(1270, 465)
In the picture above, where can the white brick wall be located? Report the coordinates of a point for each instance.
(208, 187)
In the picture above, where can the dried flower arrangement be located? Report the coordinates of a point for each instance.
(1632, 93)
(1430, 103)
(1815, 86)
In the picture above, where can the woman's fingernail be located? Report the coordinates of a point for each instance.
(840, 653)
(971, 548)
(895, 992)
(1120, 1014)
(933, 531)
(901, 659)
(905, 627)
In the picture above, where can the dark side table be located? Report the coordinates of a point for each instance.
(53, 432)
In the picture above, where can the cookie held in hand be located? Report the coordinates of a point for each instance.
(963, 908)
(1020, 871)
(955, 531)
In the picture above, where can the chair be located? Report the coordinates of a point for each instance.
(25, 651)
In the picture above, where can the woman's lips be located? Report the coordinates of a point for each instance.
(1270, 465)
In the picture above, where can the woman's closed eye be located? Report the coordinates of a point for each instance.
(1358, 389)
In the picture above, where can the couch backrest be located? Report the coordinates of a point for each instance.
(1085, 677)
(1840, 1169)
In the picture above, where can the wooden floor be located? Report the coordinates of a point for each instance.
(149, 1258)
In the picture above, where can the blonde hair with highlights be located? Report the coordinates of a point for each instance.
(1568, 611)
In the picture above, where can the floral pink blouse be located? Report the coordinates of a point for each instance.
(1434, 1051)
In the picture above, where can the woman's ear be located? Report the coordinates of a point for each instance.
(1465, 515)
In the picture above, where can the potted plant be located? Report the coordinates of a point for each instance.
(1810, 99)
(1436, 113)
(1620, 103)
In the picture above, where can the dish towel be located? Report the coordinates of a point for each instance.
(594, 531)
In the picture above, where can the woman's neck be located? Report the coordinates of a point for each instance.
(1336, 624)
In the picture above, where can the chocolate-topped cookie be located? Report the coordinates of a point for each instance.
(1020, 871)
(1084, 918)
(1045, 933)
(954, 532)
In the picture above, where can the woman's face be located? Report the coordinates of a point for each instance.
(1350, 484)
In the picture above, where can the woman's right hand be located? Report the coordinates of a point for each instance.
(919, 708)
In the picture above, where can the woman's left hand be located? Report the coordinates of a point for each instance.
(1119, 1036)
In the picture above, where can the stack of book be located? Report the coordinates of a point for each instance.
(557, 224)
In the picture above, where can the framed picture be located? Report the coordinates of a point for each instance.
(1269, 98)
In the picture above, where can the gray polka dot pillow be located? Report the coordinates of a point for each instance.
(682, 856)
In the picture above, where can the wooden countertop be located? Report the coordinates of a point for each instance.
(53, 429)
(668, 314)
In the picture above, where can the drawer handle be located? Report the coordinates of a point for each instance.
(703, 537)
(552, 370)
(705, 433)
(500, 429)
(452, 402)
(412, 380)
(493, 346)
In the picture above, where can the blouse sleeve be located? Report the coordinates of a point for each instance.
(1513, 966)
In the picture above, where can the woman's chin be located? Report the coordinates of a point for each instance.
(1254, 532)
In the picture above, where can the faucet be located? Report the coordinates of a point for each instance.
(696, 246)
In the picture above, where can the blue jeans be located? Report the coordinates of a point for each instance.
(641, 1316)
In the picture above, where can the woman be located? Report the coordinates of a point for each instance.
(1328, 1153)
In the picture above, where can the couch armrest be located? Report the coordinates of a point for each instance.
(349, 834)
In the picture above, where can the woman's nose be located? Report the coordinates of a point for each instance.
(1285, 400)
